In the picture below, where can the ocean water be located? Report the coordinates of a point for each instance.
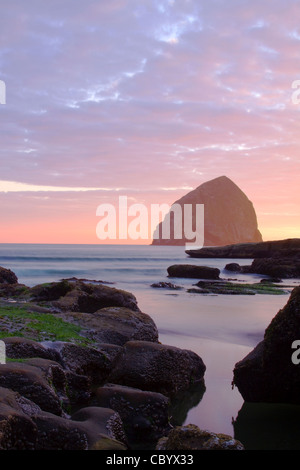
(221, 329)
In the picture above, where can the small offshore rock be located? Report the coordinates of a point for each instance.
(30, 382)
(165, 285)
(115, 325)
(193, 272)
(19, 347)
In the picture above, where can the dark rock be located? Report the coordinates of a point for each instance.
(157, 367)
(268, 426)
(190, 437)
(277, 267)
(85, 297)
(93, 363)
(193, 272)
(116, 325)
(50, 291)
(30, 382)
(19, 347)
(71, 388)
(229, 215)
(144, 414)
(89, 281)
(58, 433)
(184, 401)
(234, 267)
(78, 389)
(7, 276)
(271, 280)
(17, 430)
(236, 288)
(25, 426)
(268, 374)
(279, 248)
(13, 291)
(165, 285)
(103, 427)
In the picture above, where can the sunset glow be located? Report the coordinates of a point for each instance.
(145, 99)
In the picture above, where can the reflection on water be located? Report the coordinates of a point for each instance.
(264, 426)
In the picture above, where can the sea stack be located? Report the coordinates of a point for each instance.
(229, 216)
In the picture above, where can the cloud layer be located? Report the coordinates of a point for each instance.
(143, 96)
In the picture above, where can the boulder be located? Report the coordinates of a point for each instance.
(268, 426)
(229, 216)
(165, 285)
(277, 267)
(19, 347)
(144, 414)
(50, 291)
(184, 401)
(71, 388)
(103, 427)
(57, 433)
(81, 296)
(116, 325)
(268, 373)
(92, 428)
(193, 272)
(94, 363)
(157, 367)
(190, 437)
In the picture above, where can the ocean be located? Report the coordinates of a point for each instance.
(221, 329)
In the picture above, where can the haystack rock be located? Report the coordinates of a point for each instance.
(229, 216)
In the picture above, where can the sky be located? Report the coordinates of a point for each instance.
(146, 99)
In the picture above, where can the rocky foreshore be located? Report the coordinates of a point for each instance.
(268, 249)
(280, 258)
(85, 370)
(270, 373)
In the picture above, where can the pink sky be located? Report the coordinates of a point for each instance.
(145, 98)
